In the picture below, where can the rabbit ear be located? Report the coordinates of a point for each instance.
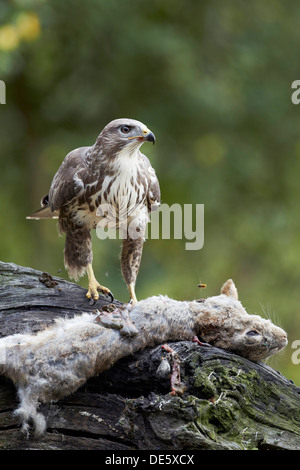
(229, 289)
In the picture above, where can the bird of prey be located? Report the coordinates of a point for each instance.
(112, 173)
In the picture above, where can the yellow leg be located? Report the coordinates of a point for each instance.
(94, 285)
(133, 299)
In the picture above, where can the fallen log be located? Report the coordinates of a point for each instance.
(220, 400)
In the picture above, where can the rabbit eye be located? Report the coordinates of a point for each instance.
(252, 333)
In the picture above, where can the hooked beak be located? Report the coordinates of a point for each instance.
(147, 136)
(150, 137)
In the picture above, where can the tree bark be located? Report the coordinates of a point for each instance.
(227, 402)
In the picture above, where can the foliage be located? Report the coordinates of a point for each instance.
(212, 80)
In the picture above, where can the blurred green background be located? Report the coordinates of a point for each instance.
(212, 80)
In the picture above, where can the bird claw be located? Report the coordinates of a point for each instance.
(93, 292)
(110, 295)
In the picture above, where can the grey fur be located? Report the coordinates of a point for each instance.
(55, 362)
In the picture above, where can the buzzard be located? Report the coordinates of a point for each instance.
(110, 178)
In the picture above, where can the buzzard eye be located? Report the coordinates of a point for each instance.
(125, 129)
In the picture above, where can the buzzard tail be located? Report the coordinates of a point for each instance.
(43, 213)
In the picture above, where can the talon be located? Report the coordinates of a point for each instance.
(107, 292)
(93, 293)
(110, 294)
(94, 286)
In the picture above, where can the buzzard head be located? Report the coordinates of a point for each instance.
(125, 133)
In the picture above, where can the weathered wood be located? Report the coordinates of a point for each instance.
(31, 300)
(229, 402)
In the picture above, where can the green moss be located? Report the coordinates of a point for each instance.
(222, 423)
(204, 383)
(225, 404)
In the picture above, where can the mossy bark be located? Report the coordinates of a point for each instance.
(227, 401)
